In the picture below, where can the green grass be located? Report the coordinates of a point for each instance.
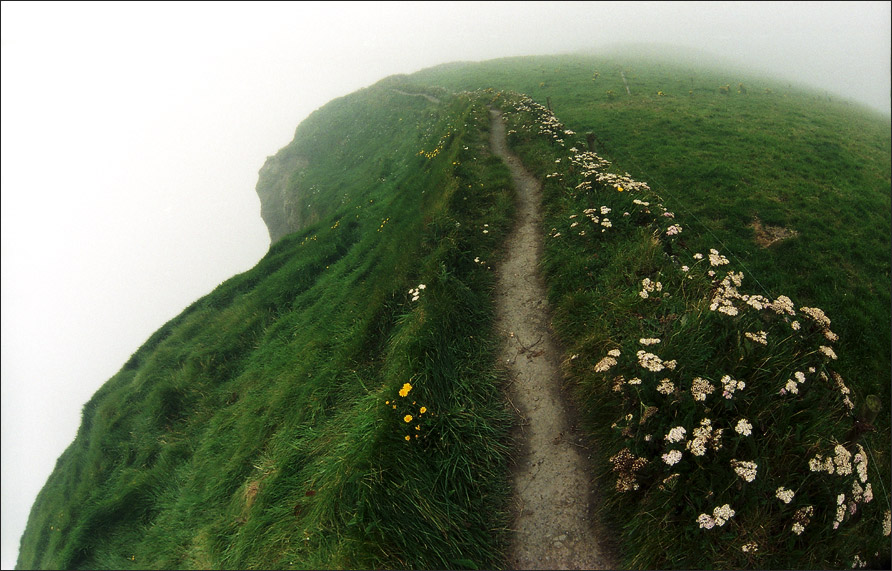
(257, 429)
(254, 430)
(598, 276)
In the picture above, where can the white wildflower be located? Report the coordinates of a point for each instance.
(700, 388)
(665, 387)
(743, 427)
(677, 434)
(672, 457)
(758, 337)
(604, 364)
(729, 385)
(827, 351)
(650, 361)
(750, 547)
(785, 495)
(705, 521)
(722, 514)
(716, 259)
(744, 469)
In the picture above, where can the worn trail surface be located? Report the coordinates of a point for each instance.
(553, 526)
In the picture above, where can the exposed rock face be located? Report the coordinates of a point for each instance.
(279, 189)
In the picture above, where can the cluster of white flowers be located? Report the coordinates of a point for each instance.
(817, 315)
(719, 517)
(843, 389)
(840, 510)
(862, 495)
(677, 434)
(716, 259)
(648, 287)
(673, 230)
(750, 547)
(759, 336)
(801, 518)
(703, 435)
(648, 341)
(729, 385)
(589, 163)
(887, 523)
(608, 361)
(672, 457)
(857, 563)
(701, 388)
(726, 293)
(860, 461)
(784, 495)
(416, 292)
(827, 351)
(840, 463)
(782, 305)
(745, 469)
(653, 363)
(792, 386)
(743, 427)
(665, 387)
(625, 466)
(603, 221)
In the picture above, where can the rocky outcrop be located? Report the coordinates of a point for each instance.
(279, 190)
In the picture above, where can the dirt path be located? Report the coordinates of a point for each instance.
(430, 98)
(552, 489)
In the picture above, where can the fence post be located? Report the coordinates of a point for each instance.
(590, 139)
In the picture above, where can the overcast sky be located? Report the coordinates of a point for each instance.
(132, 135)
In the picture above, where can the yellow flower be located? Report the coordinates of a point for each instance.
(417, 427)
(405, 390)
(408, 418)
(407, 437)
(387, 402)
(422, 410)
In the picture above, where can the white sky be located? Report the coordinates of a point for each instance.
(132, 135)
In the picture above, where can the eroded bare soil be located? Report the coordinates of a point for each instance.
(553, 524)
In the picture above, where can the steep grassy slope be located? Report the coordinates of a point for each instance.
(310, 412)
(266, 426)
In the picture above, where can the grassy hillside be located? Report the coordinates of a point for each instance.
(730, 166)
(266, 426)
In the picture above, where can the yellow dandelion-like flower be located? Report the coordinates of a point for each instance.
(422, 410)
(408, 418)
(387, 402)
(405, 390)
(408, 438)
(417, 427)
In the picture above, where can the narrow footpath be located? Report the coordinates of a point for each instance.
(553, 526)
